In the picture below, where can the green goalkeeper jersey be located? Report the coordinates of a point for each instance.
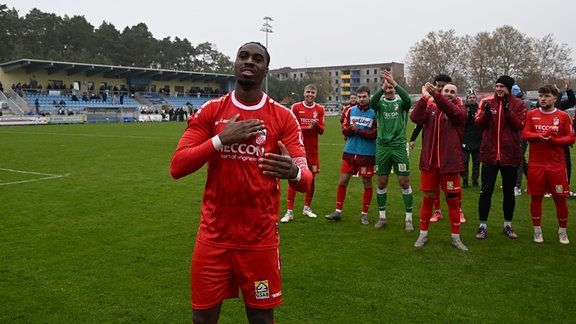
(391, 117)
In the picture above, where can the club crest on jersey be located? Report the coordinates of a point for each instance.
(261, 137)
(262, 289)
(402, 167)
(396, 107)
(556, 121)
(450, 185)
(559, 189)
(315, 114)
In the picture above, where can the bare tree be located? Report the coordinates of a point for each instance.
(481, 50)
(439, 52)
(477, 61)
(512, 53)
(554, 60)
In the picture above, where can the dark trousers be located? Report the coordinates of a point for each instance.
(523, 167)
(475, 165)
(489, 174)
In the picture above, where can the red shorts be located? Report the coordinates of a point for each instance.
(313, 163)
(218, 273)
(543, 180)
(431, 180)
(353, 168)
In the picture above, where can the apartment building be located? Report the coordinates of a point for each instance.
(345, 79)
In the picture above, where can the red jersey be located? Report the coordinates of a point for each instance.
(305, 114)
(548, 154)
(241, 205)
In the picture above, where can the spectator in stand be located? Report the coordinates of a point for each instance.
(523, 167)
(548, 130)
(441, 159)
(310, 116)
(501, 118)
(359, 153)
(241, 201)
(471, 142)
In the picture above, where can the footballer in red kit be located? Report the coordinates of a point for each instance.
(548, 130)
(248, 142)
(310, 116)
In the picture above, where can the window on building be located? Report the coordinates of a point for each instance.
(178, 90)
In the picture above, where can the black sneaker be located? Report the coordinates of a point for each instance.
(481, 234)
(509, 232)
(335, 216)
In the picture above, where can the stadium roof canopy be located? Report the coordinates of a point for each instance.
(113, 71)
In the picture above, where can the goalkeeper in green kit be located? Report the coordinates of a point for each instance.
(392, 116)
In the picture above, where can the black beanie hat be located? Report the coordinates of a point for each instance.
(507, 81)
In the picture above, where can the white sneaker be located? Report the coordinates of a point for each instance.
(458, 244)
(548, 195)
(563, 238)
(517, 191)
(380, 223)
(422, 239)
(538, 238)
(364, 219)
(308, 212)
(409, 227)
(287, 217)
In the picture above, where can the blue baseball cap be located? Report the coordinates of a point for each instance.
(515, 90)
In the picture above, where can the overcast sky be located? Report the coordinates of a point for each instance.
(309, 33)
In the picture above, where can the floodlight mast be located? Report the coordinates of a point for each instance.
(267, 28)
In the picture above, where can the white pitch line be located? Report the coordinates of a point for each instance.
(48, 176)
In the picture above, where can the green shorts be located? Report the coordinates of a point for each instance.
(388, 158)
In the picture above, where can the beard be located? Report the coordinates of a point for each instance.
(247, 83)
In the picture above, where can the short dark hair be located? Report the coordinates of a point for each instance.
(442, 77)
(548, 89)
(263, 47)
(363, 89)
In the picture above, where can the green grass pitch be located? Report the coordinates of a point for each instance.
(94, 230)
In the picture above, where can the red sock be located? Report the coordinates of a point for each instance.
(426, 212)
(561, 211)
(454, 214)
(536, 210)
(340, 196)
(437, 199)
(291, 195)
(309, 194)
(366, 199)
